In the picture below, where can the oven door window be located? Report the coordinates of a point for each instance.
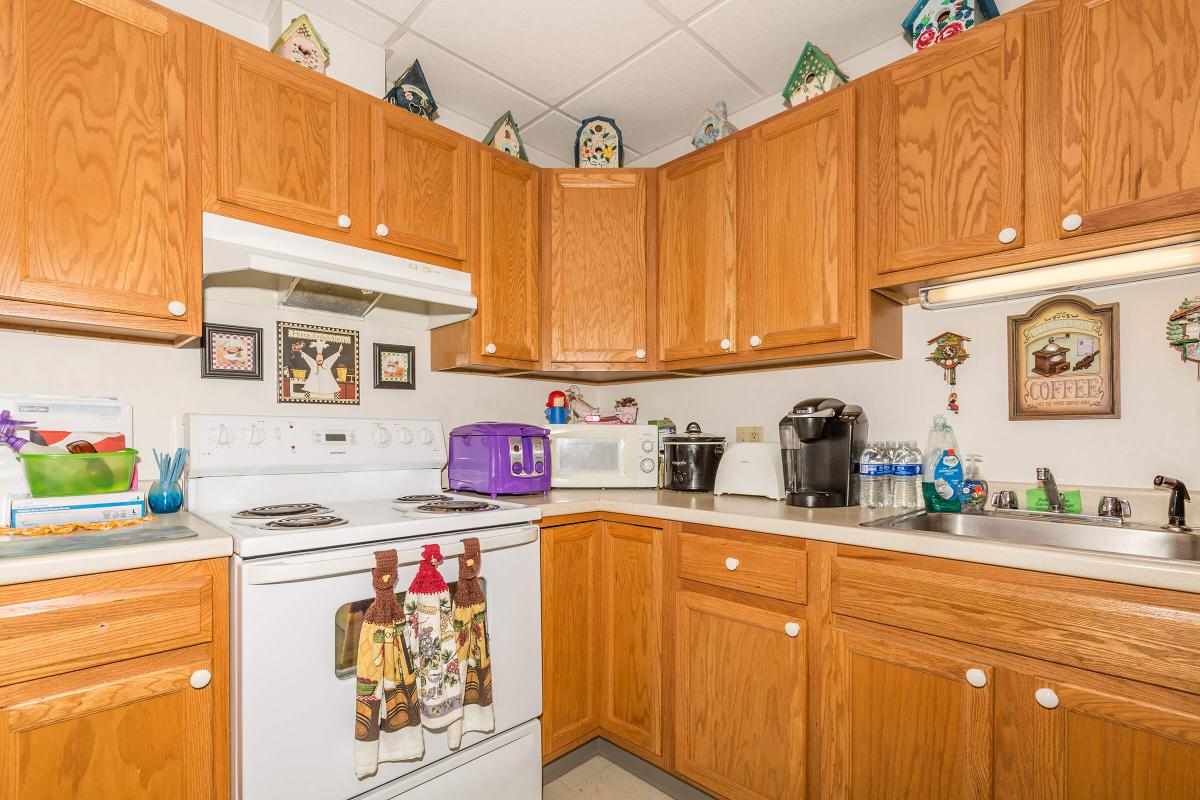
(588, 456)
(347, 624)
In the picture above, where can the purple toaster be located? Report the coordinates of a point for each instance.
(499, 458)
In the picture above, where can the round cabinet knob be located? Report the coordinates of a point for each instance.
(640, 354)
(381, 230)
(792, 629)
(490, 349)
(1072, 222)
(726, 344)
(200, 678)
(1046, 698)
(1008, 235)
(406, 436)
(755, 341)
(176, 308)
(977, 678)
(647, 465)
(732, 563)
(380, 436)
(343, 221)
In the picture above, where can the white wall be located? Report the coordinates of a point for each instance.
(1159, 429)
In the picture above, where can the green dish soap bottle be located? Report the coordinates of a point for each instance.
(943, 468)
(974, 487)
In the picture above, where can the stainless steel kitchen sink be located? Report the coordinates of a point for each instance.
(1052, 530)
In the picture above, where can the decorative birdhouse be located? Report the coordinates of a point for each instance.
(598, 143)
(933, 21)
(411, 91)
(814, 74)
(1183, 331)
(301, 43)
(1051, 359)
(713, 125)
(506, 137)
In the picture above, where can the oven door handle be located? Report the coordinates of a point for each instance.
(295, 570)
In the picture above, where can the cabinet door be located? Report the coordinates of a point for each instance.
(951, 156)
(282, 138)
(1099, 739)
(632, 634)
(799, 281)
(906, 724)
(739, 698)
(570, 611)
(94, 109)
(1131, 112)
(599, 277)
(697, 258)
(136, 730)
(507, 273)
(419, 180)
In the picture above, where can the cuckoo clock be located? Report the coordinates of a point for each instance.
(411, 92)
(598, 143)
(933, 21)
(301, 43)
(505, 136)
(713, 125)
(814, 74)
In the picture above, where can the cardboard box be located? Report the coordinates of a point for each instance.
(30, 511)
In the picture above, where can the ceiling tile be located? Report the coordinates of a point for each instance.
(686, 9)
(553, 134)
(399, 10)
(458, 85)
(763, 38)
(545, 47)
(656, 97)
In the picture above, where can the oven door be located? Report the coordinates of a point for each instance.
(295, 622)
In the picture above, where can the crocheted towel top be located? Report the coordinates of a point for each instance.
(384, 609)
(468, 591)
(428, 580)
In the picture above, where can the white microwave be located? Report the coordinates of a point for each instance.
(606, 456)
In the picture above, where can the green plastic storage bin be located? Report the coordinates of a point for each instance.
(61, 475)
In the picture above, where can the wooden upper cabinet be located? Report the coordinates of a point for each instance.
(100, 199)
(598, 277)
(697, 261)
(419, 183)
(950, 162)
(798, 278)
(283, 138)
(507, 275)
(1131, 112)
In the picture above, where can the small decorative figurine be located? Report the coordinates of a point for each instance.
(627, 410)
(814, 74)
(952, 402)
(1183, 331)
(301, 43)
(580, 408)
(506, 137)
(598, 143)
(557, 412)
(933, 21)
(713, 125)
(949, 353)
(411, 91)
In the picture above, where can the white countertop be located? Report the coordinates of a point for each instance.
(208, 543)
(841, 525)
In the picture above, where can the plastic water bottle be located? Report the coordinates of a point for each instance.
(906, 477)
(874, 471)
(889, 491)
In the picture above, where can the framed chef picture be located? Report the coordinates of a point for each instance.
(317, 364)
(231, 351)
(1064, 361)
(394, 367)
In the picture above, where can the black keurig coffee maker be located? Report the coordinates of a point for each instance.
(821, 441)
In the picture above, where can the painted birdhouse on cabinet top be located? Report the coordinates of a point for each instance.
(814, 74)
(411, 92)
(505, 136)
(301, 43)
(713, 125)
(598, 143)
(933, 21)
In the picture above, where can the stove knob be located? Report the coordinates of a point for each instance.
(220, 435)
(425, 436)
(380, 436)
(647, 465)
(406, 436)
(255, 436)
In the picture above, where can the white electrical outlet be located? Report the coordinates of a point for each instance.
(750, 433)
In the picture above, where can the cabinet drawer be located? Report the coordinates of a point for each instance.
(56, 626)
(1148, 635)
(743, 562)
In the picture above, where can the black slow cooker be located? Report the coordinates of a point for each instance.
(691, 460)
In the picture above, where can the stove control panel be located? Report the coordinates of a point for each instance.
(222, 444)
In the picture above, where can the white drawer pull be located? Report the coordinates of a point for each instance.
(176, 308)
(640, 354)
(200, 678)
(381, 230)
(1046, 698)
(792, 629)
(490, 349)
(755, 341)
(732, 563)
(1072, 222)
(977, 678)
(726, 344)
(343, 220)
(1008, 236)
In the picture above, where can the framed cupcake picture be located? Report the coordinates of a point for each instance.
(598, 143)
(394, 366)
(231, 351)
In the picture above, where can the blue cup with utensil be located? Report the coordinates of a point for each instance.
(166, 495)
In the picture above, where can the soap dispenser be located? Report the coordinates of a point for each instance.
(974, 487)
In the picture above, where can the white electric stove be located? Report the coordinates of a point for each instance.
(308, 501)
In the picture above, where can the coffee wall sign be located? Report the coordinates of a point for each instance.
(1064, 361)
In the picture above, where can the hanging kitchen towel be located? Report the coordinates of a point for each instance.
(430, 634)
(473, 652)
(385, 679)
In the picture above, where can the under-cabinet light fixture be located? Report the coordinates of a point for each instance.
(1158, 262)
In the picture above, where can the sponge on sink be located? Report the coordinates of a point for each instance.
(1035, 500)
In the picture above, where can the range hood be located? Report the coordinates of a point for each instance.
(254, 264)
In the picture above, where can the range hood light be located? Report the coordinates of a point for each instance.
(1159, 262)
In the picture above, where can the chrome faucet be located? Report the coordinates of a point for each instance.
(1054, 500)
